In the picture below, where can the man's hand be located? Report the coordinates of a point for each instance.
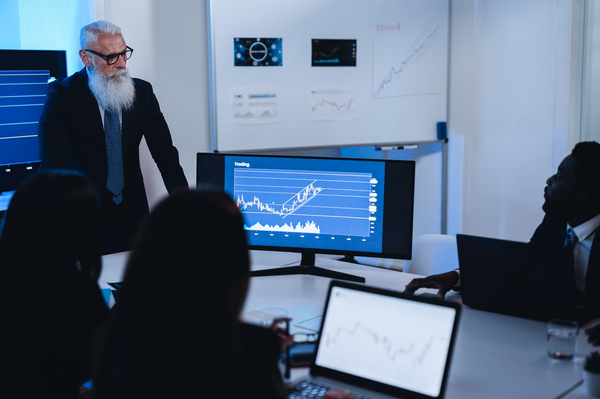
(283, 333)
(594, 333)
(443, 282)
(338, 394)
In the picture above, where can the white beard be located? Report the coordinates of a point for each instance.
(115, 91)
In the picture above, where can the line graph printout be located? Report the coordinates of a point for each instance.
(406, 65)
(333, 103)
(310, 204)
(395, 341)
(22, 96)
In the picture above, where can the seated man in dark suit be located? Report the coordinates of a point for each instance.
(572, 207)
(94, 121)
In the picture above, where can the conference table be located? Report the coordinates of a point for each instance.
(496, 356)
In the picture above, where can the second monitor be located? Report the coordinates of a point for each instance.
(350, 207)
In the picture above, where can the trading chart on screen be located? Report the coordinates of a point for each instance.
(314, 203)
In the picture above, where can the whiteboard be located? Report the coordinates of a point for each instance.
(326, 73)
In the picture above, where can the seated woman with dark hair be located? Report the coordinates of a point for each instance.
(49, 264)
(175, 330)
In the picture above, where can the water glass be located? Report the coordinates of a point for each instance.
(562, 338)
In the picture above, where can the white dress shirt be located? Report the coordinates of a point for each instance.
(102, 115)
(585, 233)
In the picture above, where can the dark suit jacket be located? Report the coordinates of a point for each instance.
(553, 232)
(71, 136)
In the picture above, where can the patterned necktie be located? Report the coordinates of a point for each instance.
(115, 180)
(571, 239)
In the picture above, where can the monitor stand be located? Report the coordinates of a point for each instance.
(307, 266)
(349, 259)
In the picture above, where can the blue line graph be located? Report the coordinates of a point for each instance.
(419, 49)
(300, 201)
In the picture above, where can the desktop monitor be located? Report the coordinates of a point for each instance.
(350, 207)
(24, 75)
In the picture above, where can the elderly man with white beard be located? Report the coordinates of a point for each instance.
(93, 122)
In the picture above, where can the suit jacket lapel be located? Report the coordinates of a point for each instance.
(592, 277)
(90, 107)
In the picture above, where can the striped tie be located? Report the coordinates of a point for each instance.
(115, 180)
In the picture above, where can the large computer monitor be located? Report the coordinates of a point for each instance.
(350, 207)
(24, 75)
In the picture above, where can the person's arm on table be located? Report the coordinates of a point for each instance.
(443, 282)
(338, 394)
(282, 332)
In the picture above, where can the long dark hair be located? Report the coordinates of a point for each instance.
(50, 227)
(183, 290)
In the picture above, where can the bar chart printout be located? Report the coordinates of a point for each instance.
(310, 205)
(22, 96)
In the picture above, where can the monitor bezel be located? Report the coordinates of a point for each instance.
(54, 61)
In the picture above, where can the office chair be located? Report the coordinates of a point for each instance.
(432, 254)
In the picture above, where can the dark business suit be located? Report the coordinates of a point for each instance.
(553, 232)
(71, 136)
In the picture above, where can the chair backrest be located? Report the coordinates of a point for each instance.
(432, 254)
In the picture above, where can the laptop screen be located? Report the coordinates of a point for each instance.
(398, 341)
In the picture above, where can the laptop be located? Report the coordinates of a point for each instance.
(515, 278)
(382, 344)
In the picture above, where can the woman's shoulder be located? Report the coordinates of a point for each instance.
(80, 294)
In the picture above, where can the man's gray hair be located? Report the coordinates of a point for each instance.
(89, 33)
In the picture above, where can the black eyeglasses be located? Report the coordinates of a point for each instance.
(113, 58)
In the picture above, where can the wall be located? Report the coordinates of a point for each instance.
(11, 27)
(591, 80)
(510, 112)
(170, 42)
(510, 106)
(31, 25)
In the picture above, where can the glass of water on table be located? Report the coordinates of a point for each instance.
(562, 338)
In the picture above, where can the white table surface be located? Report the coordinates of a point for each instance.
(496, 356)
(113, 266)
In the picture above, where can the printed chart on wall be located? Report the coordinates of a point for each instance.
(327, 73)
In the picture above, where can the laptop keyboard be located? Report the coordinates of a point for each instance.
(309, 390)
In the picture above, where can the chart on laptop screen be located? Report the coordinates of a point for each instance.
(315, 203)
(395, 341)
